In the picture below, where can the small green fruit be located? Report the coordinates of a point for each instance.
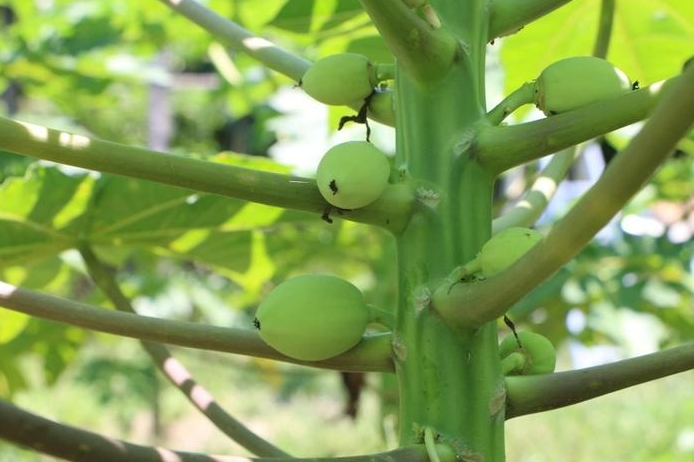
(312, 317)
(538, 353)
(505, 247)
(574, 82)
(340, 79)
(382, 107)
(352, 174)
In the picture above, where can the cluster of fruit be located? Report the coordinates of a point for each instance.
(316, 317)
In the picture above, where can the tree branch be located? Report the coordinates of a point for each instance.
(235, 36)
(537, 393)
(537, 197)
(176, 372)
(503, 147)
(291, 192)
(466, 305)
(372, 354)
(602, 40)
(423, 51)
(77, 445)
(509, 16)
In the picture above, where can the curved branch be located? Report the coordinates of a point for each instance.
(537, 393)
(177, 373)
(371, 354)
(509, 16)
(602, 40)
(423, 51)
(537, 197)
(525, 94)
(237, 37)
(503, 147)
(26, 429)
(474, 304)
(390, 212)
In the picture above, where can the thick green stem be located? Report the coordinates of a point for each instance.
(424, 51)
(449, 381)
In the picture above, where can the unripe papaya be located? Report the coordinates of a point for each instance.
(343, 78)
(312, 317)
(382, 107)
(574, 82)
(505, 247)
(538, 352)
(352, 174)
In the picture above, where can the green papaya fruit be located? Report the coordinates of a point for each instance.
(312, 317)
(537, 354)
(352, 174)
(340, 79)
(577, 81)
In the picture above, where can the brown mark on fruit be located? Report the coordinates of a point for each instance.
(333, 186)
(256, 323)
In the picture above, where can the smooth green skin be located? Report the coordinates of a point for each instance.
(352, 174)
(340, 79)
(538, 352)
(577, 81)
(382, 107)
(312, 317)
(505, 247)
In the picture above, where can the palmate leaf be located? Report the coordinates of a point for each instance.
(37, 214)
(302, 16)
(49, 211)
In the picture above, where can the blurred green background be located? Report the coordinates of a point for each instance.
(136, 73)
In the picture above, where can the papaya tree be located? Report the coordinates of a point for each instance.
(461, 265)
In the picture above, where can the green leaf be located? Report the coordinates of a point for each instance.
(651, 39)
(36, 213)
(12, 324)
(295, 16)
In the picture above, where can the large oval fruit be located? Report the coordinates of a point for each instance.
(505, 247)
(574, 82)
(538, 353)
(312, 317)
(352, 174)
(345, 78)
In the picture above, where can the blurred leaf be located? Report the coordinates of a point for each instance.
(651, 39)
(36, 212)
(12, 324)
(295, 16)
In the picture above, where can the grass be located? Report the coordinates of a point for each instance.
(301, 411)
